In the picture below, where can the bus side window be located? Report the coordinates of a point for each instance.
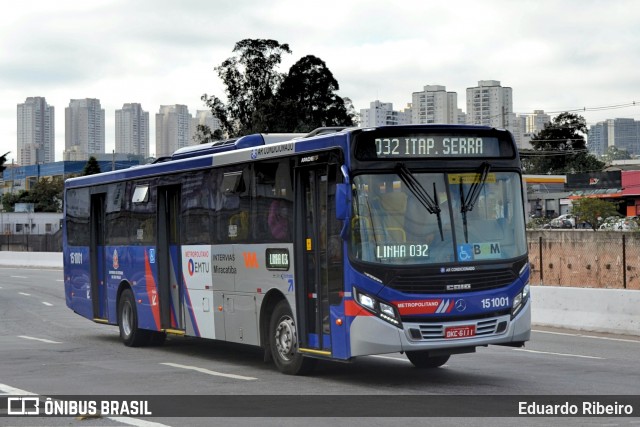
(117, 216)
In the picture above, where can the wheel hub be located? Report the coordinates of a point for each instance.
(286, 339)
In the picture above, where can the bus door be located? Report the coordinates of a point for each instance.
(97, 258)
(312, 259)
(169, 259)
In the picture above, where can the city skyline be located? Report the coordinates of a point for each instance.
(164, 53)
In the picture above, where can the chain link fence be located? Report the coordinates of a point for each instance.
(584, 258)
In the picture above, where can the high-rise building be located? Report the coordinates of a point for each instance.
(132, 130)
(382, 114)
(490, 104)
(623, 134)
(537, 121)
(173, 124)
(598, 139)
(36, 132)
(204, 118)
(84, 129)
(434, 105)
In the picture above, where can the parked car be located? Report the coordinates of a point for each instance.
(625, 224)
(608, 223)
(558, 223)
(568, 217)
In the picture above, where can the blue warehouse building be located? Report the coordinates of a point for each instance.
(21, 178)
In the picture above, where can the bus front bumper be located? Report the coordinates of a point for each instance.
(371, 335)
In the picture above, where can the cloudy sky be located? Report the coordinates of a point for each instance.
(557, 55)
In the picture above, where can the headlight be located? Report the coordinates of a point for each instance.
(383, 310)
(366, 301)
(520, 300)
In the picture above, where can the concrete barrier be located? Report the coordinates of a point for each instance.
(31, 259)
(597, 310)
(584, 309)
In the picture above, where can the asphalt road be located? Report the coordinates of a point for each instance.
(47, 350)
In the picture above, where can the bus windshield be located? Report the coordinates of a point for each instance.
(415, 218)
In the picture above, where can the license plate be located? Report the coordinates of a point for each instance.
(460, 331)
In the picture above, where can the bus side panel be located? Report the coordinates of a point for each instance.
(77, 280)
(137, 266)
(199, 303)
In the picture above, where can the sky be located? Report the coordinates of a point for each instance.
(556, 55)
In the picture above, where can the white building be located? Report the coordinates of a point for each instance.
(434, 105)
(490, 104)
(84, 129)
(204, 118)
(173, 124)
(537, 121)
(36, 132)
(382, 114)
(132, 130)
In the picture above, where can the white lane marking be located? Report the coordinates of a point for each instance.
(586, 336)
(19, 277)
(12, 391)
(39, 339)
(48, 304)
(136, 422)
(25, 294)
(208, 372)
(59, 280)
(558, 354)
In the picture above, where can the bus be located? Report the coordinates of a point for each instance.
(331, 245)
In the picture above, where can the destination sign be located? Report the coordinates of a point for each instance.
(412, 146)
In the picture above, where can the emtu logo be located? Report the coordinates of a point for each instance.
(191, 267)
(250, 259)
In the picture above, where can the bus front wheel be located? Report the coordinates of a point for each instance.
(130, 334)
(283, 340)
(422, 360)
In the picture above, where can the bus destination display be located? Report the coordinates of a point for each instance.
(455, 146)
(411, 146)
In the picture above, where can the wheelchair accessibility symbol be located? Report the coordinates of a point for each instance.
(465, 253)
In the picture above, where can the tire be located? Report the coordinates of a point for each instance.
(130, 334)
(422, 360)
(283, 340)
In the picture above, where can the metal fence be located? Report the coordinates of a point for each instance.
(31, 242)
(585, 259)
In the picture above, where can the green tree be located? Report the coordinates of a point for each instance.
(251, 81)
(91, 167)
(614, 153)
(9, 200)
(260, 99)
(307, 99)
(203, 134)
(3, 160)
(591, 209)
(561, 148)
(46, 195)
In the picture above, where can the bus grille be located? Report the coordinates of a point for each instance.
(435, 331)
(446, 283)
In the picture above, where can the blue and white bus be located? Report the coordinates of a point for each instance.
(332, 245)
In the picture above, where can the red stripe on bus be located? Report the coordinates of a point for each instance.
(152, 291)
(351, 308)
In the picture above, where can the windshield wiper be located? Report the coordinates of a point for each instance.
(467, 202)
(430, 203)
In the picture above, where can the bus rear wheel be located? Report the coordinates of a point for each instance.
(130, 334)
(422, 360)
(283, 340)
